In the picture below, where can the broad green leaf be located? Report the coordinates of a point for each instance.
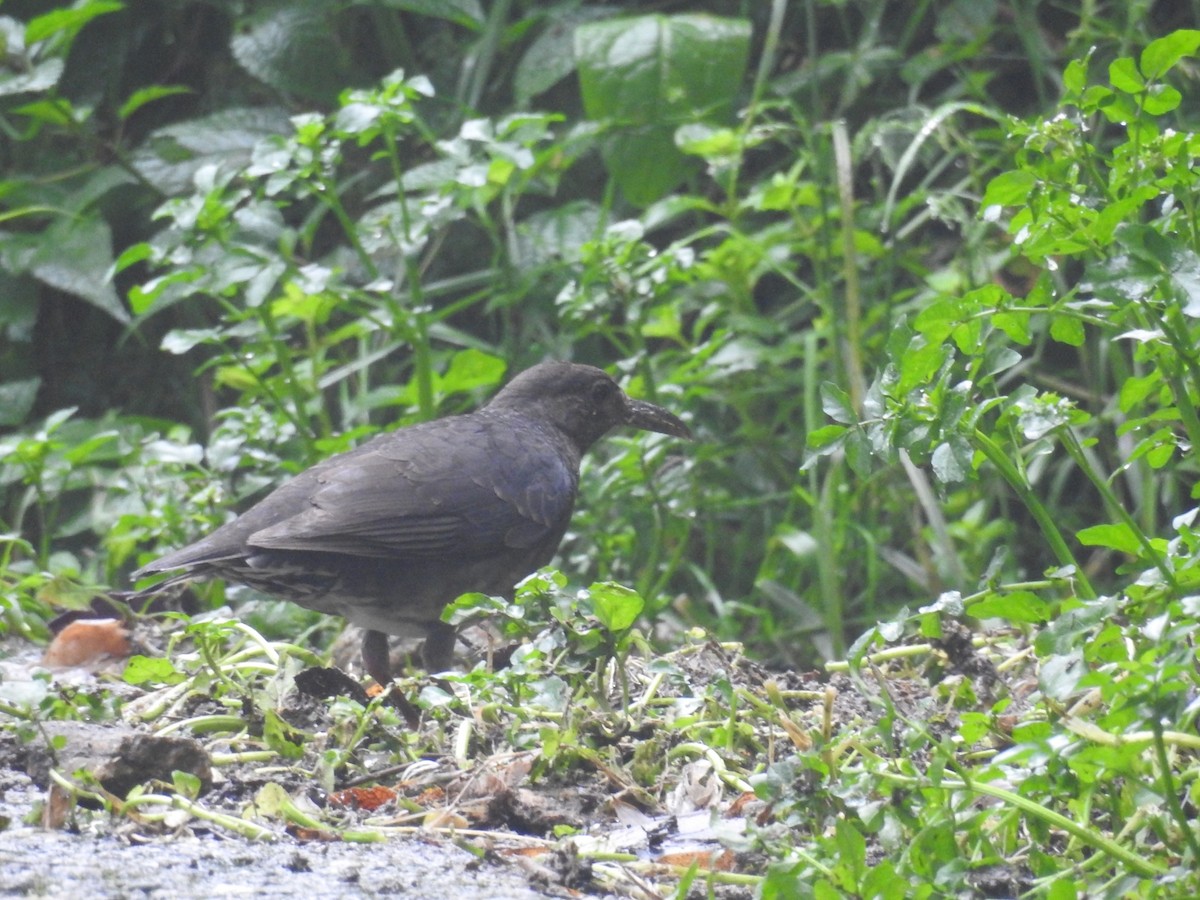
(646, 76)
(97, 447)
(1000, 359)
(937, 320)
(68, 20)
(186, 784)
(58, 111)
(1059, 676)
(1067, 330)
(468, 13)
(471, 369)
(314, 308)
(41, 77)
(708, 141)
(616, 606)
(550, 693)
(1124, 75)
(1161, 99)
(1038, 416)
(1018, 606)
(556, 235)
(1010, 189)
(170, 156)
(664, 322)
(74, 255)
(551, 56)
(1118, 536)
(1160, 56)
(17, 399)
(1185, 276)
(951, 461)
(919, 364)
(835, 403)
(1075, 76)
(151, 669)
(1157, 450)
(280, 736)
(858, 452)
(827, 434)
(1013, 324)
(852, 847)
(1118, 107)
(1136, 388)
(279, 44)
(271, 801)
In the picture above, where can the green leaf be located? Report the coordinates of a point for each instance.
(1157, 450)
(1136, 388)
(852, 848)
(1018, 606)
(17, 399)
(68, 20)
(470, 370)
(1039, 416)
(551, 56)
(951, 461)
(1124, 76)
(280, 736)
(883, 881)
(74, 255)
(1160, 99)
(1067, 330)
(1075, 76)
(824, 436)
(664, 322)
(280, 42)
(1116, 537)
(186, 784)
(1010, 189)
(646, 76)
(170, 156)
(41, 77)
(835, 403)
(138, 99)
(708, 141)
(468, 13)
(57, 111)
(1160, 56)
(1059, 675)
(921, 361)
(616, 606)
(937, 320)
(271, 801)
(151, 670)
(1013, 324)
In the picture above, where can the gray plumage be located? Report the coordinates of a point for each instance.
(389, 533)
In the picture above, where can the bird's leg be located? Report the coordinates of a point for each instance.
(377, 657)
(438, 651)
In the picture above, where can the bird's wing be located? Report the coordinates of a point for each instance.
(449, 490)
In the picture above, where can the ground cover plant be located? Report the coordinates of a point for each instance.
(923, 280)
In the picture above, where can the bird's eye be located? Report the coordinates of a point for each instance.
(603, 391)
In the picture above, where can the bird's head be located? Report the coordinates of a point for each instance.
(584, 402)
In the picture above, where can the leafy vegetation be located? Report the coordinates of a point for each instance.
(923, 279)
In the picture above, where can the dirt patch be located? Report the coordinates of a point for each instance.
(580, 779)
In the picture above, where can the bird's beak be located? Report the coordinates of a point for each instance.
(649, 417)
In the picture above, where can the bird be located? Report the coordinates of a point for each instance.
(388, 534)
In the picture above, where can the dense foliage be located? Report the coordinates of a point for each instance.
(924, 278)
